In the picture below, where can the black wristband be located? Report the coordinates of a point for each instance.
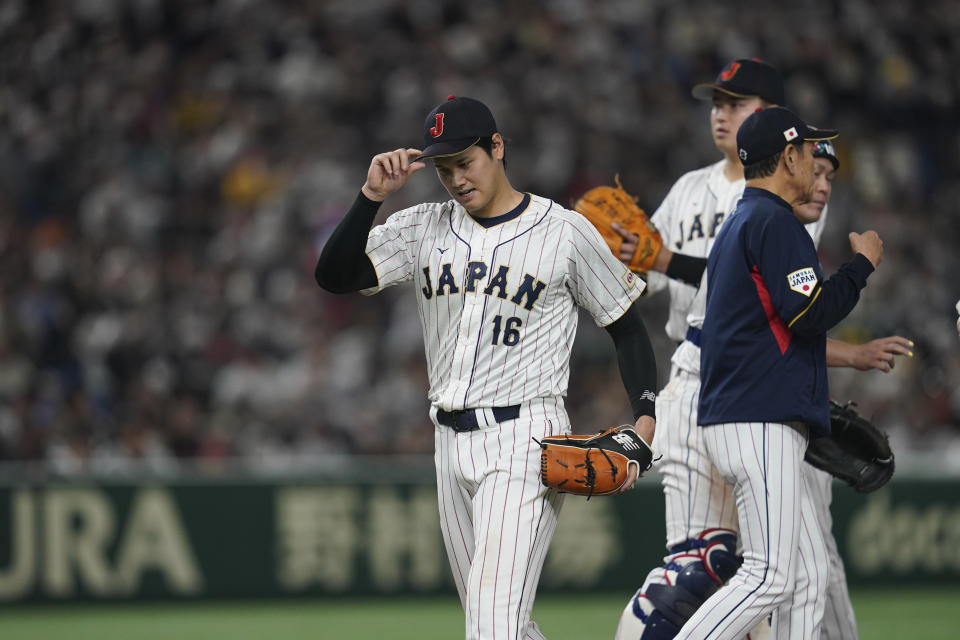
(686, 268)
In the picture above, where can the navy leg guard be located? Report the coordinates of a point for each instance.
(659, 628)
(697, 571)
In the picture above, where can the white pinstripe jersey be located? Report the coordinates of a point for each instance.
(498, 305)
(687, 355)
(688, 220)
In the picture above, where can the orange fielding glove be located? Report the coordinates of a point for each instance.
(595, 465)
(605, 205)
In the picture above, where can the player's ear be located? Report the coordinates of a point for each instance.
(497, 146)
(791, 158)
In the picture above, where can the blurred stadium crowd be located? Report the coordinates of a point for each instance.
(169, 171)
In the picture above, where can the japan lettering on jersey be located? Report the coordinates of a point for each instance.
(688, 220)
(498, 305)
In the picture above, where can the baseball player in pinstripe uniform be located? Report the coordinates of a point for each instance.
(698, 501)
(497, 275)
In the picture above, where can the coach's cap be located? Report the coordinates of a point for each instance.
(744, 78)
(825, 149)
(455, 126)
(767, 131)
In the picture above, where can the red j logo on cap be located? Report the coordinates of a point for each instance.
(730, 71)
(437, 130)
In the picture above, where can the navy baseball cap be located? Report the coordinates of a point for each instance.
(825, 149)
(744, 78)
(455, 126)
(766, 132)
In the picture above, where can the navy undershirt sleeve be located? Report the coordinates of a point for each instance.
(638, 364)
(343, 266)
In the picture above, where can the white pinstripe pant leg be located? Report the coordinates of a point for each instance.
(839, 621)
(454, 500)
(498, 520)
(762, 461)
(696, 497)
(801, 616)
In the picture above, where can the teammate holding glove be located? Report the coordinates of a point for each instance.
(497, 276)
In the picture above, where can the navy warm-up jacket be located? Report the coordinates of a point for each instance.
(763, 351)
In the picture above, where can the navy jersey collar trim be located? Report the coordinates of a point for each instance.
(506, 217)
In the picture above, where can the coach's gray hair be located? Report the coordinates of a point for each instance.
(768, 166)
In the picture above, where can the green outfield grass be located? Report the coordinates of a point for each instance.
(922, 614)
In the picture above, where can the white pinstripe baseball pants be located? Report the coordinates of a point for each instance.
(785, 559)
(839, 621)
(696, 497)
(497, 519)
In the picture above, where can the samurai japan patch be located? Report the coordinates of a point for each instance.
(803, 280)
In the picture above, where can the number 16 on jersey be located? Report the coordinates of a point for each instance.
(510, 330)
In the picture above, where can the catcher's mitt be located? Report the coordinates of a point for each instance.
(595, 465)
(605, 205)
(856, 451)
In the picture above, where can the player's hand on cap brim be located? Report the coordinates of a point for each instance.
(389, 171)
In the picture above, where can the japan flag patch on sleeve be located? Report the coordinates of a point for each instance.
(803, 280)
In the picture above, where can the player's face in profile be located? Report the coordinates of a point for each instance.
(726, 116)
(823, 174)
(471, 177)
(802, 175)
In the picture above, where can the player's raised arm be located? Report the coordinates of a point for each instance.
(832, 300)
(343, 266)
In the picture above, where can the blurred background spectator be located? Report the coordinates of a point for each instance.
(169, 171)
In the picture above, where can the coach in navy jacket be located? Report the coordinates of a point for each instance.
(763, 356)
(763, 381)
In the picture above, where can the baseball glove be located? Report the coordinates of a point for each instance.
(605, 205)
(856, 451)
(595, 465)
